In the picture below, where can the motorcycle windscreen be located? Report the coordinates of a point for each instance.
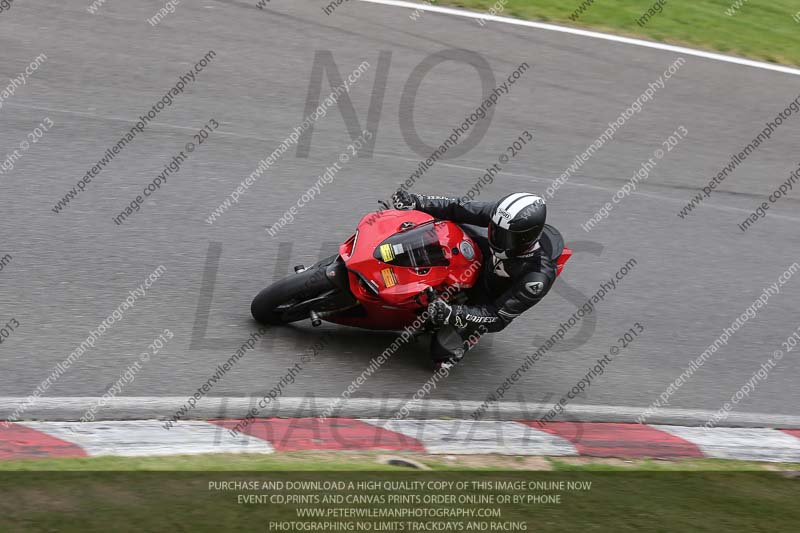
(418, 247)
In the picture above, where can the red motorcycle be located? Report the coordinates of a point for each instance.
(383, 277)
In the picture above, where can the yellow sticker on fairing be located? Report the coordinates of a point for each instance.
(389, 278)
(386, 253)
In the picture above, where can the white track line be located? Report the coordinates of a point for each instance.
(587, 33)
(137, 407)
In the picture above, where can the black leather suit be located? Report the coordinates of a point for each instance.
(505, 289)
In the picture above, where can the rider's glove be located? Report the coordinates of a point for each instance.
(405, 200)
(439, 313)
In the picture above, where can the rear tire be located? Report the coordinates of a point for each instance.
(269, 305)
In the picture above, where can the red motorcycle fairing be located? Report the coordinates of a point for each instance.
(395, 257)
(384, 276)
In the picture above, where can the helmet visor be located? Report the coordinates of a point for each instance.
(512, 241)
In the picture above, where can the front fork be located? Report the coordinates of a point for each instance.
(339, 297)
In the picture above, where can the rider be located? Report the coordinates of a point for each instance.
(523, 251)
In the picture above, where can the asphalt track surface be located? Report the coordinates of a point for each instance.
(71, 270)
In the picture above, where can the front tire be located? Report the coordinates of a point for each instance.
(273, 305)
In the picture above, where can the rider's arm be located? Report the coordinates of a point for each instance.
(523, 295)
(443, 208)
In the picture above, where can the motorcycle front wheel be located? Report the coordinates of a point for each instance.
(278, 303)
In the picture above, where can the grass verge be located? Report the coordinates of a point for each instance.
(758, 29)
(370, 461)
(189, 493)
